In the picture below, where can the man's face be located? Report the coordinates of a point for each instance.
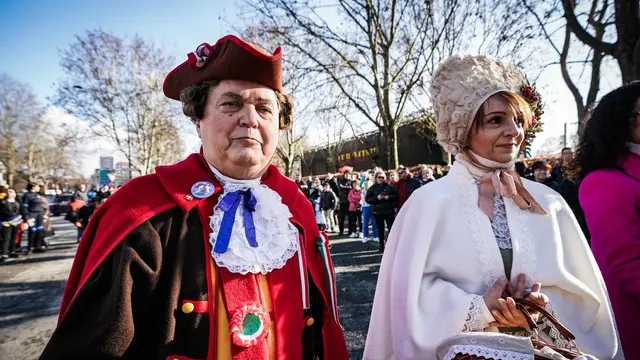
(402, 174)
(239, 128)
(347, 176)
(83, 187)
(567, 155)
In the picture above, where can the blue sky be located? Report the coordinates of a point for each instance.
(34, 31)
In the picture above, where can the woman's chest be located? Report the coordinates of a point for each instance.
(469, 248)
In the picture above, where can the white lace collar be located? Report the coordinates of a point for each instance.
(634, 148)
(276, 237)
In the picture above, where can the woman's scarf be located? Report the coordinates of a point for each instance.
(501, 178)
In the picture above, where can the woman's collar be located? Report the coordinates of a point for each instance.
(464, 160)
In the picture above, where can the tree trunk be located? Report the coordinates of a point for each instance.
(629, 68)
(11, 164)
(389, 142)
(627, 48)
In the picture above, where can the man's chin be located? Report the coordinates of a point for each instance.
(247, 158)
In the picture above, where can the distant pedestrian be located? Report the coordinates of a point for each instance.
(382, 196)
(355, 210)
(329, 203)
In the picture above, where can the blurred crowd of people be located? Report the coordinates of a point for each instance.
(367, 199)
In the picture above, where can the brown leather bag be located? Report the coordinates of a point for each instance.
(526, 307)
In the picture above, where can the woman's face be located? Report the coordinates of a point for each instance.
(239, 129)
(500, 134)
(635, 135)
(11, 194)
(541, 174)
(381, 179)
(356, 186)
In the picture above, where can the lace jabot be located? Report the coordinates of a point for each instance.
(276, 236)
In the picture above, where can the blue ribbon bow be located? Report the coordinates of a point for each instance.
(229, 204)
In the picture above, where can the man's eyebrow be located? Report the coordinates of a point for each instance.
(232, 94)
(236, 96)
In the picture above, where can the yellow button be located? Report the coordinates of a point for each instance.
(310, 321)
(187, 307)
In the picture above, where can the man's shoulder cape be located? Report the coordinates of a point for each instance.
(147, 196)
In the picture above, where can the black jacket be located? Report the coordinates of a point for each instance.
(84, 214)
(345, 186)
(382, 207)
(328, 200)
(10, 210)
(32, 203)
(333, 183)
(314, 193)
(413, 184)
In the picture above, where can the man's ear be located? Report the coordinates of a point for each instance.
(197, 124)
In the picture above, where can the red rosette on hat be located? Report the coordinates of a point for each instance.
(229, 58)
(249, 324)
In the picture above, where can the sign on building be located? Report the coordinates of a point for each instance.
(106, 162)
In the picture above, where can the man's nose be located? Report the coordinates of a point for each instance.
(249, 117)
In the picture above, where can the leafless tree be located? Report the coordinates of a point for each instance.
(624, 15)
(116, 85)
(32, 149)
(582, 36)
(375, 52)
(334, 130)
(19, 113)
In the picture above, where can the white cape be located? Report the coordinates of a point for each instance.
(442, 256)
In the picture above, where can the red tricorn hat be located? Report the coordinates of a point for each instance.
(229, 58)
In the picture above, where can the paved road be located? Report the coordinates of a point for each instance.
(31, 290)
(30, 294)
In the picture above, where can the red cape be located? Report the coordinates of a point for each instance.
(144, 197)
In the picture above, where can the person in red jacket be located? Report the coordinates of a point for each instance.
(218, 256)
(405, 186)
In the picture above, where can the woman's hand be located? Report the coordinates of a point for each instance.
(536, 296)
(504, 310)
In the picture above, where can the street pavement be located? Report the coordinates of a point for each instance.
(30, 293)
(31, 290)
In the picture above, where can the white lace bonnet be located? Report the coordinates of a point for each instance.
(459, 86)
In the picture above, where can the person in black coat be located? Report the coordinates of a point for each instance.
(328, 204)
(541, 174)
(333, 183)
(344, 186)
(11, 214)
(382, 197)
(32, 204)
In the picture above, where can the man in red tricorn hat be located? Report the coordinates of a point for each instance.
(218, 256)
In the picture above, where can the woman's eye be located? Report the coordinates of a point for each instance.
(231, 103)
(495, 120)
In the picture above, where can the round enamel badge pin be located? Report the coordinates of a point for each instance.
(202, 189)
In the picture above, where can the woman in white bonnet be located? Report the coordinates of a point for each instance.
(462, 241)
